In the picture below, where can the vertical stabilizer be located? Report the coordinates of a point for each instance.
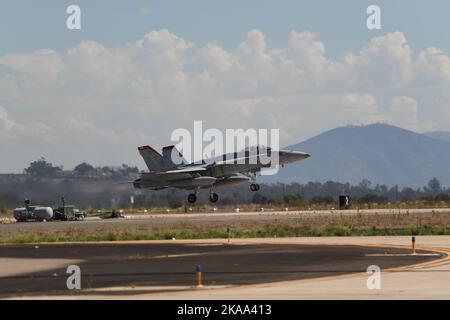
(152, 158)
(173, 157)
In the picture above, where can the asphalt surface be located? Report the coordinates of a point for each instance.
(173, 264)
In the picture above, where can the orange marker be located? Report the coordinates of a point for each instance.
(198, 269)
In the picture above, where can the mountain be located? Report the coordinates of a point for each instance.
(440, 135)
(381, 153)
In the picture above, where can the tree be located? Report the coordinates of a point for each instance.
(8, 199)
(259, 199)
(408, 194)
(372, 198)
(293, 198)
(84, 169)
(126, 170)
(365, 184)
(433, 187)
(322, 200)
(442, 197)
(42, 168)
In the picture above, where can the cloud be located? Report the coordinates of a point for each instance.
(385, 61)
(432, 67)
(217, 57)
(5, 123)
(104, 101)
(403, 110)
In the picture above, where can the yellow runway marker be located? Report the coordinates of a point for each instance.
(444, 253)
(430, 264)
(403, 254)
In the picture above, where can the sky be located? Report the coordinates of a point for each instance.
(138, 70)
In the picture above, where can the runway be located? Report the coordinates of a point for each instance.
(169, 267)
(146, 222)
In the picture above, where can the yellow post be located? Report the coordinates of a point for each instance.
(413, 245)
(198, 269)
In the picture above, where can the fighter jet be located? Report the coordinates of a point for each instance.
(170, 170)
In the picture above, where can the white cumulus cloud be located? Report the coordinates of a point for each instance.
(104, 101)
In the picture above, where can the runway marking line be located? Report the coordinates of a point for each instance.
(165, 256)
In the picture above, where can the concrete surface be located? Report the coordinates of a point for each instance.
(289, 268)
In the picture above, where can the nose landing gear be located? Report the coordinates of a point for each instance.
(254, 187)
(213, 197)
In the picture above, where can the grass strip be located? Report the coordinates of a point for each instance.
(337, 230)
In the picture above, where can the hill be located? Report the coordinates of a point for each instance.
(381, 153)
(440, 135)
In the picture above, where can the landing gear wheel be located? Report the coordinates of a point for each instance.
(214, 197)
(254, 187)
(192, 198)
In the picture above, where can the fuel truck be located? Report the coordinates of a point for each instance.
(41, 213)
(29, 212)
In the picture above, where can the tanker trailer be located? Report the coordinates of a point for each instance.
(28, 212)
(43, 213)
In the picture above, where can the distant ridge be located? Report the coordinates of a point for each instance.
(440, 135)
(381, 153)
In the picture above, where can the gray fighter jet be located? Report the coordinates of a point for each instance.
(170, 169)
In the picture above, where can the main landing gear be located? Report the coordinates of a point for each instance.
(192, 197)
(213, 197)
(254, 187)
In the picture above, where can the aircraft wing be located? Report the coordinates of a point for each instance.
(183, 173)
(184, 170)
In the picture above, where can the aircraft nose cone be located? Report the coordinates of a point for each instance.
(300, 155)
(289, 156)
